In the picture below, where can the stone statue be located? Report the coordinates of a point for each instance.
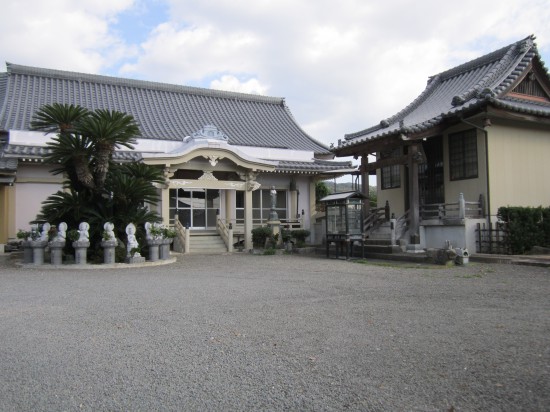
(109, 230)
(45, 229)
(273, 193)
(148, 227)
(83, 235)
(61, 232)
(132, 241)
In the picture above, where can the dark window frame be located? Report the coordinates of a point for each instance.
(390, 176)
(463, 155)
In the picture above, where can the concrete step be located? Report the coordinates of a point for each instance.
(206, 243)
(378, 242)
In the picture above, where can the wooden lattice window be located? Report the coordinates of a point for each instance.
(391, 175)
(463, 155)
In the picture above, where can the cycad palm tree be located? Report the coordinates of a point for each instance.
(69, 149)
(58, 118)
(108, 130)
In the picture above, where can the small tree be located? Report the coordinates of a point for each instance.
(97, 190)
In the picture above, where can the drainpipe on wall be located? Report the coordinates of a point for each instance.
(486, 123)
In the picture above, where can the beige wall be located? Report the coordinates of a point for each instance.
(395, 197)
(471, 188)
(33, 185)
(7, 207)
(519, 166)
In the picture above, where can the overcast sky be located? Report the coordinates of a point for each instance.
(342, 65)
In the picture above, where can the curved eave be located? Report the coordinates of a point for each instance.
(205, 151)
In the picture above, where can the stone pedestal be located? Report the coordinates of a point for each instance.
(276, 230)
(137, 258)
(109, 251)
(27, 251)
(80, 251)
(38, 247)
(164, 249)
(154, 245)
(56, 252)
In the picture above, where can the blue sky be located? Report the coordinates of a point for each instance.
(342, 65)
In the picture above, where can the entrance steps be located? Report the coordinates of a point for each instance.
(379, 242)
(206, 242)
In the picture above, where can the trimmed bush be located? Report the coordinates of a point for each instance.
(300, 235)
(528, 227)
(260, 235)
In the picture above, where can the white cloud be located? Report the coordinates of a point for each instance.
(233, 84)
(61, 33)
(192, 53)
(342, 66)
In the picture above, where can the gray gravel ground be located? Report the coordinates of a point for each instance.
(243, 332)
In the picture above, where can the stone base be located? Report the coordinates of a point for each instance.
(135, 259)
(414, 248)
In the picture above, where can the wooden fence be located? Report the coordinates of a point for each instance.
(493, 239)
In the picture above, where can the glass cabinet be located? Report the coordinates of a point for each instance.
(344, 220)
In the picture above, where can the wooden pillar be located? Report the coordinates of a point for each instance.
(165, 205)
(365, 183)
(230, 214)
(414, 195)
(248, 219)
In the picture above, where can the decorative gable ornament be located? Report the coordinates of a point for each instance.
(210, 132)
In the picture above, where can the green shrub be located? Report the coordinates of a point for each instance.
(528, 227)
(260, 235)
(300, 235)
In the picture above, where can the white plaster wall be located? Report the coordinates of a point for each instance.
(460, 236)
(33, 185)
(28, 200)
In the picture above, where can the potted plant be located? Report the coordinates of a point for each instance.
(25, 237)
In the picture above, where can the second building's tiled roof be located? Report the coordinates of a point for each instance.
(473, 84)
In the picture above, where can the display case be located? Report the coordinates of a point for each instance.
(344, 221)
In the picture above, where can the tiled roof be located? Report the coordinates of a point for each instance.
(38, 153)
(317, 166)
(471, 85)
(163, 111)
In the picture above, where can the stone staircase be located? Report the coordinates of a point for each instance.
(206, 242)
(379, 242)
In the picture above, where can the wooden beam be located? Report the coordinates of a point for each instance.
(388, 161)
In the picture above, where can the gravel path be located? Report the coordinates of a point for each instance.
(243, 332)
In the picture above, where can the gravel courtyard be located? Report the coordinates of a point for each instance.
(244, 332)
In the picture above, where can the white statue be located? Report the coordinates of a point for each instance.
(132, 241)
(45, 229)
(83, 235)
(148, 227)
(61, 232)
(109, 230)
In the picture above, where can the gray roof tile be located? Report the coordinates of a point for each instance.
(473, 84)
(312, 167)
(163, 111)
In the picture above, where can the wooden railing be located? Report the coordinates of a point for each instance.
(376, 217)
(182, 236)
(458, 210)
(401, 226)
(292, 224)
(226, 233)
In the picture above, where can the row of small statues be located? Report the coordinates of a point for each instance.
(108, 235)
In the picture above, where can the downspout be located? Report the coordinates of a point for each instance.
(486, 122)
